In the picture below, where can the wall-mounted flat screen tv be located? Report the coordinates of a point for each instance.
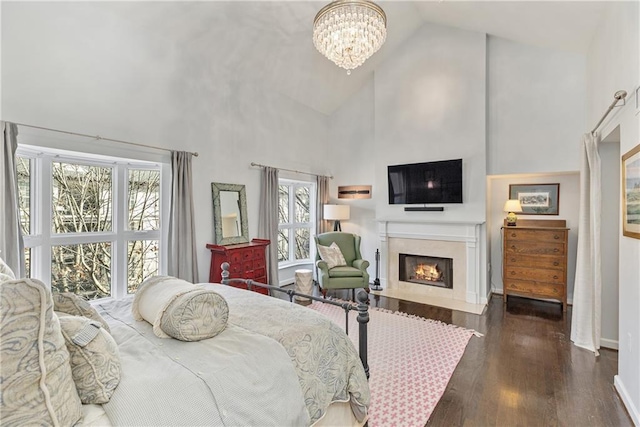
(426, 183)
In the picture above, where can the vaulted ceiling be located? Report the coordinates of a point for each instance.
(269, 42)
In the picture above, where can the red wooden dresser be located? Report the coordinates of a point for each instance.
(246, 261)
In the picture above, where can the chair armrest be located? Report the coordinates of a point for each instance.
(361, 264)
(322, 265)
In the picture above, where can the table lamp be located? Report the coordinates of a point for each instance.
(512, 206)
(336, 213)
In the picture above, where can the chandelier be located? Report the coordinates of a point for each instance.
(348, 32)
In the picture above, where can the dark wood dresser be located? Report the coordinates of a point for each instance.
(246, 261)
(534, 260)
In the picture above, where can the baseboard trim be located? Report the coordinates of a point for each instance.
(607, 343)
(626, 400)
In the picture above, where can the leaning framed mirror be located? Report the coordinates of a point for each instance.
(230, 213)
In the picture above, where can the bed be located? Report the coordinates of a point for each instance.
(274, 363)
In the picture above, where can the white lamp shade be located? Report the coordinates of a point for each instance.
(336, 212)
(512, 205)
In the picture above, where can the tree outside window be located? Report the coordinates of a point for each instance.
(296, 214)
(91, 221)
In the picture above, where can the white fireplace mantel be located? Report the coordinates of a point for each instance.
(465, 238)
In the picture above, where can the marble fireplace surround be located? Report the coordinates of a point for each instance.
(458, 240)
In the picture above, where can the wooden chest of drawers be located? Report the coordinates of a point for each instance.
(534, 260)
(246, 261)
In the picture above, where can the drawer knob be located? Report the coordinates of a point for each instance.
(513, 247)
(556, 263)
(513, 273)
(556, 237)
(513, 260)
(555, 277)
(556, 250)
(513, 234)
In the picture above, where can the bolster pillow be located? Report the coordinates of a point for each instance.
(179, 309)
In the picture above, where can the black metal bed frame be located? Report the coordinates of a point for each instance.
(362, 307)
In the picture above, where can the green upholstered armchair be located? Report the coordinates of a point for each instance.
(352, 276)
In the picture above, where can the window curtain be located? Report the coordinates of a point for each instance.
(11, 244)
(585, 320)
(182, 254)
(268, 220)
(322, 186)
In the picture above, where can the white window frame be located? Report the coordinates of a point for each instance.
(291, 226)
(42, 238)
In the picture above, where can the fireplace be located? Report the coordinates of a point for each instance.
(426, 270)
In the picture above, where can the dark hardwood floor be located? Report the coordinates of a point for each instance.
(524, 371)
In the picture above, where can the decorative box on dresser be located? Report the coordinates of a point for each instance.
(246, 261)
(534, 263)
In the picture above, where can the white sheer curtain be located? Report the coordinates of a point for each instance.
(322, 189)
(183, 254)
(585, 320)
(11, 244)
(268, 220)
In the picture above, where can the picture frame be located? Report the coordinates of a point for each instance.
(537, 199)
(631, 193)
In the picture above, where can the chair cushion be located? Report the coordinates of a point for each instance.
(345, 271)
(332, 255)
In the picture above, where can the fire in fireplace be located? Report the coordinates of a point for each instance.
(426, 270)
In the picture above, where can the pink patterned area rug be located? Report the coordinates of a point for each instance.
(411, 360)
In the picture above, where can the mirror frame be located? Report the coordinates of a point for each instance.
(216, 188)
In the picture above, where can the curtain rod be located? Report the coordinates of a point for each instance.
(621, 94)
(97, 137)
(289, 170)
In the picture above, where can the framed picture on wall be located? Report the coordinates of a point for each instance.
(631, 193)
(536, 199)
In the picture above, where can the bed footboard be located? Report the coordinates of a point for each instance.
(362, 307)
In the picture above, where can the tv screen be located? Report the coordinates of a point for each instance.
(426, 183)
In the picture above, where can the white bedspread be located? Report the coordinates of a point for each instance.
(236, 378)
(276, 363)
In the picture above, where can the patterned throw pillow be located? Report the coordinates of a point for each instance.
(75, 305)
(332, 255)
(5, 272)
(179, 309)
(37, 388)
(95, 361)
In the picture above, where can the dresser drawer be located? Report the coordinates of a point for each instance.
(235, 257)
(536, 274)
(551, 290)
(536, 235)
(532, 247)
(535, 261)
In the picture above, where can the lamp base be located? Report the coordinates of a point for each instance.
(336, 226)
(511, 219)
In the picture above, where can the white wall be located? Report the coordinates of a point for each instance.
(568, 210)
(536, 108)
(613, 64)
(75, 66)
(351, 158)
(430, 105)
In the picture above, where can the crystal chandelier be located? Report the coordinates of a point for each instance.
(349, 31)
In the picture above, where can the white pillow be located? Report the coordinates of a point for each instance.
(179, 309)
(95, 361)
(37, 388)
(75, 305)
(5, 272)
(332, 255)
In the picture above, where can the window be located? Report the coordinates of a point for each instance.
(296, 221)
(92, 225)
